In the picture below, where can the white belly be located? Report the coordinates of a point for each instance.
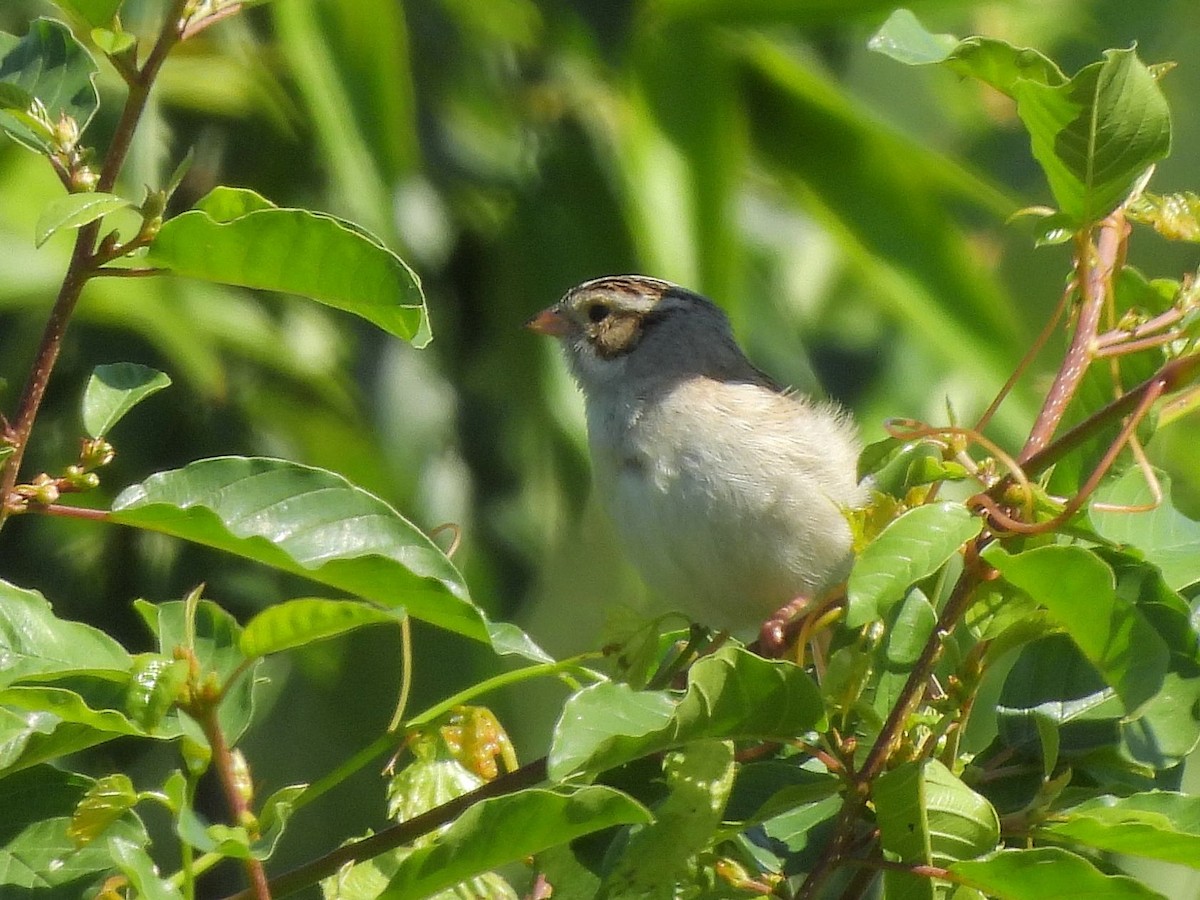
(727, 515)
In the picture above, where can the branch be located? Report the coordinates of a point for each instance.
(405, 833)
(1095, 266)
(82, 264)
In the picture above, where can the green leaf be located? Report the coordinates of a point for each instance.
(135, 863)
(698, 780)
(73, 211)
(297, 623)
(993, 62)
(1156, 824)
(235, 236)
(914, 545)
(115, 389)
(72, 707)
(33, 736)
(962, 824)
(731, 694)
(503, 829)
(34, 642)
(112, 42)
(1046, 873)
(914, 623)
(105, 801)
(899, 798)
(97, 13)
(1095, 135)
(1078, 591)
(313, 523)
(213, 636)
(1166, 537)
(50, 67)
(37, 855)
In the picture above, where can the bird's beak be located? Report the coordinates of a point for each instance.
(550, 322)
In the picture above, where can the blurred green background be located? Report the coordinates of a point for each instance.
(848, 212)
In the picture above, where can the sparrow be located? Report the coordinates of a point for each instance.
(727, 491)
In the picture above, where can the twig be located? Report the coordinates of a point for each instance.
(235, 796)
(405, 833)
(81, 266)
(1095, 266)
(131, 272)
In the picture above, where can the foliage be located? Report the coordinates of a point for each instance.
(1002, 699)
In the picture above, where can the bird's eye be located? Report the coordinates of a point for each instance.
(597, 312)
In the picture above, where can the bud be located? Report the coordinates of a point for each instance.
(83, 180)
(66, 133)
(95, 453)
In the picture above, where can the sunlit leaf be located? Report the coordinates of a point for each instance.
(97, 13)
(213, 637)
(899, 801)
(135, 863)
(504, 829)
(235, 236)
(317, 524)
(34, 642)
(47, 65)
(115, 389)
(113, 42)
(1165, 536)
(913, 546)
(962, 823)
(73, 211)
(1095, 135)
(698, 780)
(1046, 873)
(1156, 824)
(994, 62)
(730, 694)
(37, 855)
(105, 802)
(297, 623)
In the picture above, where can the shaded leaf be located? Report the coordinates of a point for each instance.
(235, 236)
(115, 389)
(731, 694)
(503, 829)
(73, 211)
(1078, 591)
(1045, 873)
(914, 545)
(47, 65)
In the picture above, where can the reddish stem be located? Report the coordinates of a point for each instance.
(239, 805)
(82, 264)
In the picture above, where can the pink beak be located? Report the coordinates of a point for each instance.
(550, 322)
